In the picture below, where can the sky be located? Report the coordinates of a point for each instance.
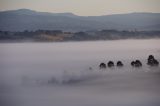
(84, 7)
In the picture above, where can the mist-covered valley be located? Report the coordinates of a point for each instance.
(68, 74)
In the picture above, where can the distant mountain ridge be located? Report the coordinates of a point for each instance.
(25, 19)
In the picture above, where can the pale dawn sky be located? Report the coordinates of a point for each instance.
(84, 7)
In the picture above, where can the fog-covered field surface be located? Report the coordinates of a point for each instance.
(67, 74)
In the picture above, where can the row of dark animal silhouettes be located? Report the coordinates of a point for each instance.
(151, 61)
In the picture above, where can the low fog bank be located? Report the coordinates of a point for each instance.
(86, 77)
(68, 74)
(125, 86)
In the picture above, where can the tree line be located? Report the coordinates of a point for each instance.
(59, 35)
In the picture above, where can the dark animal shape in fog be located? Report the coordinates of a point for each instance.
(152, 61)
(102, 66)
(136, 63)
(110, 64)
(119, 64)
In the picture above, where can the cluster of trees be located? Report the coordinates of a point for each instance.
(59, 35)
(38, 35)
(114, 35)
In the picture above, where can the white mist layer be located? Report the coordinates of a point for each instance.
(67, 74)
